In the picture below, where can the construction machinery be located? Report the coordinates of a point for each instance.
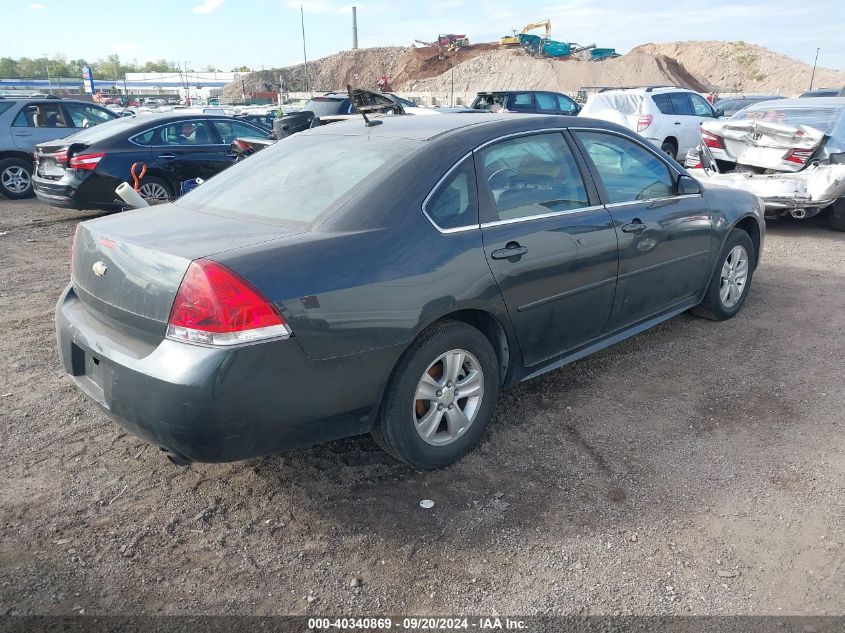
(513, 40)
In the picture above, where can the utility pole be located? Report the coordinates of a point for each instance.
(815, 61)
(47, 67)
(304, 56)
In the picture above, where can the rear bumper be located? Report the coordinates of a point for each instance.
(814, 188)
(72, 192)
(214, 405)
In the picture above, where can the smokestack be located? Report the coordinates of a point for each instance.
(354, 28)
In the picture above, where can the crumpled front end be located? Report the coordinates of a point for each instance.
(802, 194)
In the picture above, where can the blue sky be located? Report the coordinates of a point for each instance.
(228, 33)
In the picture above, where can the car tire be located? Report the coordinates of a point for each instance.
(425, 368)
(725, 296)
(668, 147)
(155, 190)
(16, 178)
(837, 215)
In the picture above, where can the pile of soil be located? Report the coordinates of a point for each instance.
(513, 68)
(742, 67)
(429, 61)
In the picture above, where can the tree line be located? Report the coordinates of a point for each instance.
(109, 68)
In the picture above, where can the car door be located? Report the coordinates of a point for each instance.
(664, 238)
(686, 123)
(188, 149)
(550, 245)
(39, 122)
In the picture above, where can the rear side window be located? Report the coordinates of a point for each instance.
(546, 102)
(230, 130)
(521, 101)
(533, 175)
(186, 133)
(326, 106)
(680, 103)
(41, 115)
(84, 115)
(453, 204)
(629, 172)
(144, 138)
(663, 103)
(297, 180)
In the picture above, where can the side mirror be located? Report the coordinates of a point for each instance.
(687, 185)
(720, 113)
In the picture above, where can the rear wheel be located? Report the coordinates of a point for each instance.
(837, 215)
(669, 147)
(155, 190)
(15, 178)
(440, 398)
(731, 280)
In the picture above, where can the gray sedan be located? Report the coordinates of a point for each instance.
(391, 278)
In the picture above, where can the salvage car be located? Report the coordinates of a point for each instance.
(82, 171)
(667, 116)
(731, 105)
(24, 122)
(287, 301)
(526, 102)
(789, 152)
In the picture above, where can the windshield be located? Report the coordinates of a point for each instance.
(823, 119)
(490, 102)
(300, 178)
(325, 106)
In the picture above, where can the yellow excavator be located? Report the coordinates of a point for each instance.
(513, 40)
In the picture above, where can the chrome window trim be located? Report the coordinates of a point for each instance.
(456, 229)
(541, 216)
(678, 197)
(182, 121)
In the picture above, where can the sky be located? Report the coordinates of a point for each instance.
(266, 33)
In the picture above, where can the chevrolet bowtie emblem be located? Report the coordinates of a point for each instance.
(99, 269)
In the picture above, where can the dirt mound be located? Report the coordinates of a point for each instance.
(361, 68)
(513, 68)
(429, 61)
(742, 67)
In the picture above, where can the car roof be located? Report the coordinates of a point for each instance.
(821, 102)
(426, 128)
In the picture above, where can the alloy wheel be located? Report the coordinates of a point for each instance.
(16, 179)
(153, 191)
(734, 276)
(448, 397)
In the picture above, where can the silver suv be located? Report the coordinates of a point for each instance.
(27, 121)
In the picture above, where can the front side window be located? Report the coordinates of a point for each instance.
(533, 175)
(680, 103)
(453, 203)
(565, 104)
(522, 101)
(41, 115)
(185, 133)
(87, 115)
(700, 106)
(628, 171)
(230, 130)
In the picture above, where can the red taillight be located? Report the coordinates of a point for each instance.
(86, 161)
(798, 156)
(215, 306)
(60, 157)
(644, 121)
(712, 140)
(241, 145)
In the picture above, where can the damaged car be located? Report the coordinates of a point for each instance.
(790, 153)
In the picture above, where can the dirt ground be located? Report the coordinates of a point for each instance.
(696, 468)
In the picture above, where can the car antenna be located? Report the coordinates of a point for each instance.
(367, 122)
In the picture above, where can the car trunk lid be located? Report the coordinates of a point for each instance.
(127, 268)
(767, 144)
(51, 158)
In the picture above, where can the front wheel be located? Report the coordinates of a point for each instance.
(440, 398)
(731, 279)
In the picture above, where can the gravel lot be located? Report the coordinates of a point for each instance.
(696, 468)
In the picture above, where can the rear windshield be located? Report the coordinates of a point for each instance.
(103, 131)
(490, 102)
(821, 118)
(325, 106)
(298, 179)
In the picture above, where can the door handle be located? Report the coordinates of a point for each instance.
(677, 122)
(511, 249)
(167, 155)
(636, 227)
(23, 133)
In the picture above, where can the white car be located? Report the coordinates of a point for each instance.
(668, 117)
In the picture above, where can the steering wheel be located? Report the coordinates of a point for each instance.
(498, 172)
